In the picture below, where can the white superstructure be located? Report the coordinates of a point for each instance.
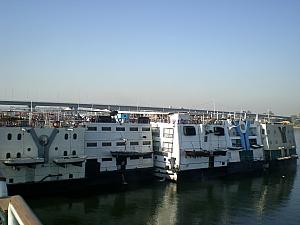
(183, 143)
(186, 142)
(115, 144)
(30, 154)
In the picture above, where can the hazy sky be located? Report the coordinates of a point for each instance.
(240, 54)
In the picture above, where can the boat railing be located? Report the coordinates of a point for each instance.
(17, 211)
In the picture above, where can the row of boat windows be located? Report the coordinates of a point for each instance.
(118, 129)
(19, 136)
(106, 144)
(18, 155)
(187, 131)
(131, 158)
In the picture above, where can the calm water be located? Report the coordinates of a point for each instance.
(266, 199)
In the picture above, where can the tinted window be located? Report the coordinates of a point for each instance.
(92, 128)
(106, 143)
(106, 159)
(134, 157)
(253, 141)
(120, 143)
(145, 128)
(106, 128)
(146, 142)
(120, 128)
(91, 144)
(219, 131)
(189, 131)
(134, 143)
(134, 128)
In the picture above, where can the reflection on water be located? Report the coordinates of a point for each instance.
(268, 199)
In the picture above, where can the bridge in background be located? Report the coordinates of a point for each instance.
(76, 106)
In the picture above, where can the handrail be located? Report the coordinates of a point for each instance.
(18, 211)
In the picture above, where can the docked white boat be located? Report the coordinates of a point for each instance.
(69, 160)
(23, 161)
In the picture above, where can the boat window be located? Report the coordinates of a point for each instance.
(146, 142)
(219, 131)
(236, 143)
(145, 128)
(28, 149)
(189, 131)
(147, 156)
(155, 148)
(18, 155)
(134, 143)
(8, 155)
(134, 157)
(106, 128)
(66, 136)
(253, 141)
(91, 144)
(19, 136)
(134, 129)
(155, 131)
(11, 180)
(106, 159)
(70, 176)
(120, 128)
(143, 119)
(9, 136)
(263, 131)
(92, 128)
(121, 143)
(56, 148)
(74, 152)
(205, 138)
(106, 143)
(65, 153)
(74, 136)
(168, 132)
